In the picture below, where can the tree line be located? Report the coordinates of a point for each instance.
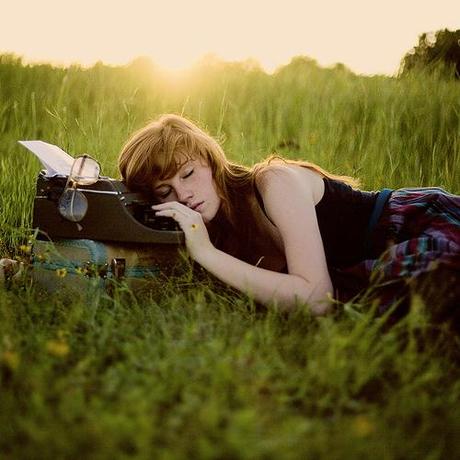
(435, 52)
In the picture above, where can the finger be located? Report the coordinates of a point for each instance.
(160, 205)
(177, 207)
(169, 204)
(176, 215)
(184, 219)
(179, 218)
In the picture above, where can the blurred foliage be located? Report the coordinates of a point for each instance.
(435, 52)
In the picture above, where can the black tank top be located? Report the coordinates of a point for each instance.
(343, 215)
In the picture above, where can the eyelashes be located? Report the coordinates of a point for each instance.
(165, 194)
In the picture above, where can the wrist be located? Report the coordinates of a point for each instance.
(205, 255)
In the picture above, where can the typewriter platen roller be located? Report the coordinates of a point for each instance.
(114, 214)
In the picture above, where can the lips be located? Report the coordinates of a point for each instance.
(196, 206)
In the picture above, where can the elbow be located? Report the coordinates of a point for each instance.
(318, 298)
(321, 308)
(317, 307)
(320, 301)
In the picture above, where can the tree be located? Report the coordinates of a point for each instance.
(440, 50)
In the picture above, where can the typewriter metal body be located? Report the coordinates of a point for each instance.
(115, 214)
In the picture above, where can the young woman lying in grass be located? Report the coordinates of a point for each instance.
(287, 231)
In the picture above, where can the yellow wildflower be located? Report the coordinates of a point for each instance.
(61, 272)
(57, 348)
(11, 359)
(26, 249)
(362, 426)
(81, 270)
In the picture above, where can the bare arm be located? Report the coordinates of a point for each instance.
(265, 286)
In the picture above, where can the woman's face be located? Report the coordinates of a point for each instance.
(193, 186)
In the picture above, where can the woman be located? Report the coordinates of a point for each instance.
(286, 231)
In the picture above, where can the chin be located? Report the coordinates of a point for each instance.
(211, 212)
(206, 219)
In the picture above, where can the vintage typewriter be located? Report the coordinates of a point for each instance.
(114, 213)
(91, 224)
(74, 201)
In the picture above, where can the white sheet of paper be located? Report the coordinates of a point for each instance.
(53, 158)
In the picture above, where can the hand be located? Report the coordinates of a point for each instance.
(191, 223)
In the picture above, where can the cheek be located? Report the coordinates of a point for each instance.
(206, 180)
(215, 190)
(217, 201)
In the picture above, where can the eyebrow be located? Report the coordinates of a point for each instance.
(178, 169)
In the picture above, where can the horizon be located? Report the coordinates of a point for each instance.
(202, 60)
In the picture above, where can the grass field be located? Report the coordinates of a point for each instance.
(194, 371)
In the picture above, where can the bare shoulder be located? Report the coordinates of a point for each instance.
(285, 178)
(289, 193)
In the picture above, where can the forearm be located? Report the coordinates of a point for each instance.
(266, 286)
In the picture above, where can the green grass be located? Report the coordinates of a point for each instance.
(193, 370)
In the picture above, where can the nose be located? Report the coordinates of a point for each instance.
(184, 194)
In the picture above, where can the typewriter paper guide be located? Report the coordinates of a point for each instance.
(53, 158)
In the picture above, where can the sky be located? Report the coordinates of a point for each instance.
(368, 36)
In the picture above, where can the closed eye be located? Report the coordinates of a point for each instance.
(164, 194)
(188, 174)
